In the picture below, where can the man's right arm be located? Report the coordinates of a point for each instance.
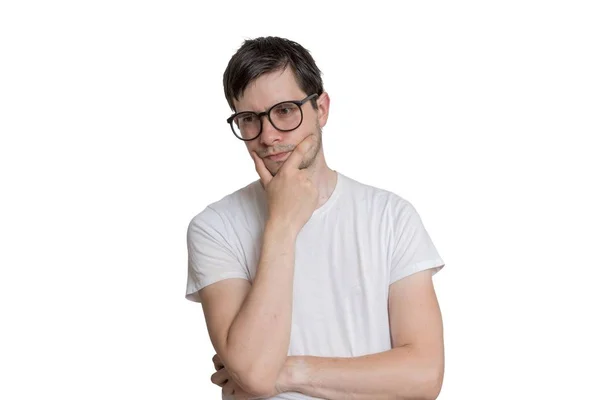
(249, 325)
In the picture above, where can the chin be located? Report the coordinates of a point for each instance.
(274, 170)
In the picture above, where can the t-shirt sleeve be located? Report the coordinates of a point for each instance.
(211, 257)
(413, 250)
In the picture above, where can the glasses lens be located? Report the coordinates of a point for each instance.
(246, 125)
(286, 116)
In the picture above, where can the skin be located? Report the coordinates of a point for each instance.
(260, 313)
(275, 87)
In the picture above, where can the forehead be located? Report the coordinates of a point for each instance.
(268, 89)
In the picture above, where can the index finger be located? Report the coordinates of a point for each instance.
(295, 159)
(261, 169)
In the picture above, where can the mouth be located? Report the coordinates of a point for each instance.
(278, 156)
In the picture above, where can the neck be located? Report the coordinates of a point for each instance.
(324, 179)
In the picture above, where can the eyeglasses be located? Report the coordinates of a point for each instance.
(285, 116)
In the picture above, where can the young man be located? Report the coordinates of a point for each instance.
(313, 285)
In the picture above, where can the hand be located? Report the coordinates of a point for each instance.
(293, 369)
(222, 379)
(291, 196)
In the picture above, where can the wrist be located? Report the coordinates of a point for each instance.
(294, 374)
(281, 230)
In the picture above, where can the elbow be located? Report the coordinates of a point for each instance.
(427, 387)
(432, 386)
(437, 381)
(260, 388)
(256, 382)
(257, 377)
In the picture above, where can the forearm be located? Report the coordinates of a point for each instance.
(259, 336)
(400, 373)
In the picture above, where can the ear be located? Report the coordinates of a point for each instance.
(323, 108)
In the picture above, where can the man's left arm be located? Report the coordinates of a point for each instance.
(412, 369)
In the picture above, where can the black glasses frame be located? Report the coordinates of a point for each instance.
(299, 103)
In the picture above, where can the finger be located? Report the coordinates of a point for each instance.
(261, 169)
(228, 388)
(219, 367)
(220, 377)
(217, 362)
(295, 159)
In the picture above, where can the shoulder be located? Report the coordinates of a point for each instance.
(392, 212)
(247, 199)
(220, 220)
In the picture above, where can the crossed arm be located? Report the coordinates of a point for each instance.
(412, 369)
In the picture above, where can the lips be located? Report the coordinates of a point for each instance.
(278, 156)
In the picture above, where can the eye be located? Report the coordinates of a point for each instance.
(246, 118)
(285, 109)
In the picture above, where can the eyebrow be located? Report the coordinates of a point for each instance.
(264, 110)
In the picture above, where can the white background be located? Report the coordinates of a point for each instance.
(485, 115)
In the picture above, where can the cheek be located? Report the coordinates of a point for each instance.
(254, 147)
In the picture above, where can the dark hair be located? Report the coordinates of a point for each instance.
(267, 54)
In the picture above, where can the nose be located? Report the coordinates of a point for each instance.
(269, 134)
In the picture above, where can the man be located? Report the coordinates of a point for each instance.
(313, 285)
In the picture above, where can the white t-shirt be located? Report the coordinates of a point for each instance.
(353, 247)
